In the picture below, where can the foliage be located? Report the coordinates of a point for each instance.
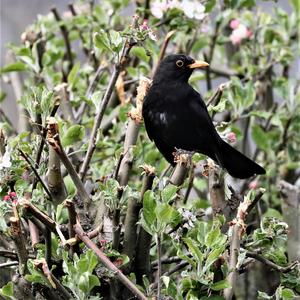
(260, 104)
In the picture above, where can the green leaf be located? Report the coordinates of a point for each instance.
(149, 206)
(212, 238)
(7, 291)
(168, 192)
(14, 67)
(73, 75)
(260, 137)
(74, 134)
(166, 215)
(287, 294)
(212, 257)
(101, 41)
(220, 285)
(141, 53)
(194, 249)
(115, 39)
(70, 186)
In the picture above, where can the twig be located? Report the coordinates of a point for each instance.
(290, 195)
(34, 234)
(89, 53)
(168, 260)
(9, 264)
(158, 246)
(55, 180)
(284, 139)
(163, 50)
(142, 259)
(216, 189)
(90, 90)
(172, 271)
(12, 254)
(18, 238)
(54, 141)
(238, 228)
(65, 35)
(116, 222)
(129, 43)
(210, 55)
(132, 131)
(44, 134)
(65, 104)
(190, 184)
(108, 264)
(271, 264)
(36, 173)
(41, 264)
(41, 216)
(181, 169)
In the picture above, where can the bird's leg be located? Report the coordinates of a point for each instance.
(178, 152)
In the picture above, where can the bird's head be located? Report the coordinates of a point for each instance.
(177, 67)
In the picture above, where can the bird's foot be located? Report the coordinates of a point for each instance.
(181, 155)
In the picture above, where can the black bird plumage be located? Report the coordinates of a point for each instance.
(176, 117)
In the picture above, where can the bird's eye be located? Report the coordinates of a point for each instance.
(179, 63)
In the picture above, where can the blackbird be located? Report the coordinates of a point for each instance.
(176, 117)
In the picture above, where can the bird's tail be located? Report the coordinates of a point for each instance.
(237, 164)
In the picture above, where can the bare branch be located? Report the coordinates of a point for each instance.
(108, 264)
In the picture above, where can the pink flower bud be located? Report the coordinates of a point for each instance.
(234, 24)
(6, 198)
(231, 137)
(253, 185)
(13, 194)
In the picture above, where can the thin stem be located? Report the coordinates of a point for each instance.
(65, 35)
(36, 173)
(108, 264)
(271, 264)
(129, 43)
(158, 246)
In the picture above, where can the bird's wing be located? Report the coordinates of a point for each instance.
(189, 126)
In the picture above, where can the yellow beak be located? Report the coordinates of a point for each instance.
(198, 64)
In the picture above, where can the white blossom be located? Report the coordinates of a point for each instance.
(5, 159)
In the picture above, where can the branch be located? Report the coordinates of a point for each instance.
(238, 228)
(90, 90)
(142, 258)
(190, 184)
(34, 234)
(129, 43)
(172, 271)
(65, 103)
(9, 264)
(181, 169)
(271, 264)
(55, 180)
(108, 264)
(43, 218)
(163, 50)
(41, 265)
(290, 195)
(210, 55)
(54, 141)
(65, 35)
(18, 238)
(132, 132)
(36, 173)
